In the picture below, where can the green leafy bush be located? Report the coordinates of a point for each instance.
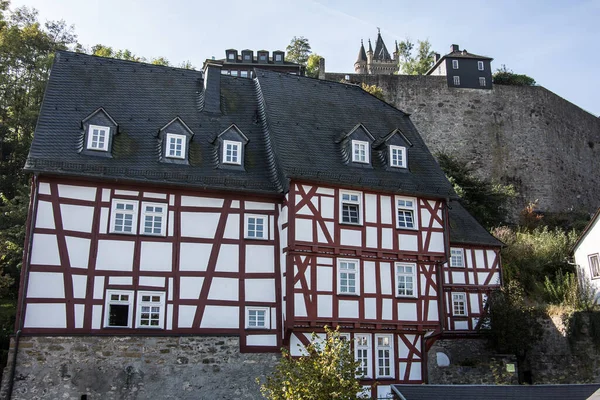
(504, 76)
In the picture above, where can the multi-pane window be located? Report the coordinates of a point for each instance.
(278, 57)
(348, 277)
(360, 151)
(175, 146)
(154, 219)
(256, 227)
(351, 204)
(480, 65)
(459, 304)
(98, 138)
(454, 64)
(118, 309)
(231, 56)
(481, 81)
(457, 258)
(398, 156)
(247, 57)
(406, 275)
(124, 216)
(257, 317)
(150, 309)
(384, 354)
(362, 354)
(405, 208)
(594, 266)
(231, 152)
(244, 74)
(456, 80)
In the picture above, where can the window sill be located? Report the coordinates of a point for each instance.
(415, 229)
(351, 223)
(123, 233)
(255, 238)
(407, 297)
(349, 294)
(98, 150)
(258, 328)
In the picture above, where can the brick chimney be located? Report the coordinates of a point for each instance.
(212, 88)
(454, 48)
(321, 68)
(436, 57)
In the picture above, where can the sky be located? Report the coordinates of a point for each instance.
(557, 42)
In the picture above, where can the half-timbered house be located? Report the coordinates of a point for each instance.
(180, 203)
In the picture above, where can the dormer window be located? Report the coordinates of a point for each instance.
(231, 56)
(360, 151)
(278, 57)
(175, 146)
(231, 152)
(98, 138)
(398, 156)
(247, 57)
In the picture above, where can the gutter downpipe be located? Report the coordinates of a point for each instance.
(24, 274)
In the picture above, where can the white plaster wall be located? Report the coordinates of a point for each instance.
(348, 308)
(255, 205)
(372, 237)
(120, 280)
(44, 250)
(370, 208)
(408, 242)
(407, 311)
(153, 281)
(386, 309)
(79, 314)
(115, 255)
(99, 287)
(369, 277)
(103, 228)
(224, 289)
(44, 188)
(327, 207)
(260, 258)
(589, 245)
(324, 306)
(45, 215)
(186, 316)
(79, 286)
(79, 251)
(304, 230)
(432, 315)
(192, 201)
(260, 290)
(350, 237)
(232, 227)
(49, 315)
(221, 317)
(386, 209)
(299, 305)
(46, 285)
(370, 308)
(199, 224)
(190, 287)
(126, 192)
(77, 218)
(386, 238)
(77, 192)
(261, 340)
(194, 256)
(386, 278)
(437, 243)
(228, 260)
(324, 278)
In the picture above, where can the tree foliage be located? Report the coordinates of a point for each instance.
(486, 200)
(312, 65)
(298, 51)
(417, 64)
(513, 324)
(106, 51)
(505, 76)
(327, 371)
(373, 89)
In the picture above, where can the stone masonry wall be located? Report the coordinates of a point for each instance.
(528, 136)
(136, 368)
(468, 361)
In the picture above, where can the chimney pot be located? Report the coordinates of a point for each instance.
(436, 57)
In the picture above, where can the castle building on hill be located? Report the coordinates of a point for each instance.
(378, 62)
(463, 69)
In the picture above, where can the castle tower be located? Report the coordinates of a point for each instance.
(360, 66)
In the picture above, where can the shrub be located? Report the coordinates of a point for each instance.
(504, 76)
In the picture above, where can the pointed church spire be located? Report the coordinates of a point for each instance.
(370, 48)
(362, 56)
(381, 52)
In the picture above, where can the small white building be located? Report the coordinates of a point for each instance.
(587, 256)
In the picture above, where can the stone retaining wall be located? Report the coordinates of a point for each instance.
(136, 368)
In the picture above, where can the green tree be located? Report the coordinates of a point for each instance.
(417, 64)
(373, 89)
(327, 371)
(298, 51)
(312, 65)
(486, 200)
(505, 76)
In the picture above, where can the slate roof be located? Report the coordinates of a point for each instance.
(381, 52)
(457, 54)
(291, 123)
(362, 55)
(464, 228)
(492, 392)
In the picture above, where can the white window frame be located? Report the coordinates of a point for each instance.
(456, 299)
(168, 146)
(244, 74)
(359, 338)
(412, 209)
(278, 57)
(346, 270)
(457, 257)
(356, 159)
(238, 148)
(234, 72)
(591, 257)
(160, 303)
(402, 151)
(400, 272)
(482, 81)
(105, 130)
(357, 202)
(480, 66)
(454, 64)
(153, 214)
(108, 301)
(231, 56)
(265, 223)
(391, 355)
(456, 80)
(133, 213)
(266, 310)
